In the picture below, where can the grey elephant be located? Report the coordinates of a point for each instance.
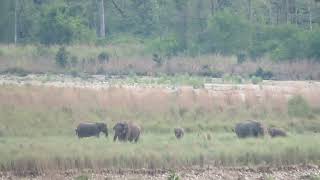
(276, 132)
(124, 131)
(179, 132)
(249, 129)
(91, 129)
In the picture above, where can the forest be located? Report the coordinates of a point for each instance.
(277, 29)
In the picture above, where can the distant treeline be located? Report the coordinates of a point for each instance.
(279, 29)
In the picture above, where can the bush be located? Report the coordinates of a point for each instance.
(16, 71)
(232, 79)
(168, 46)
(256, 80)
(173, 176)
(241, 57)
(262, 74)
(42, 51)
(62, 57)
(206, 70)
(103, 57)
(157, 59)
(298, 107)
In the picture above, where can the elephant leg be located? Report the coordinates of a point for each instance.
(136, 140)
(115, 138)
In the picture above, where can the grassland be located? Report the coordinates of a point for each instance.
(37, 125)
(134, 59)
(40, 154)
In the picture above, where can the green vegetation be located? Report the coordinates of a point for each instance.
(62, 57)
(61, 152)
(286, 30)
(37, 129)
(82, 177)
(173, 176)
(298, 107)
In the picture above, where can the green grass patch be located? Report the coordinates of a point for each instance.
(155, 151)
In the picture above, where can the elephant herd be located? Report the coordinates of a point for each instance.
(123, 131)
(130, 131)
(256, 129)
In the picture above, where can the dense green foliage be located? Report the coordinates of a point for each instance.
(281, 30)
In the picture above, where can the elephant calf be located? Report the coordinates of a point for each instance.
(249, 129)
(276, 132)
(91, 129)
(179, 132)
(124, 131)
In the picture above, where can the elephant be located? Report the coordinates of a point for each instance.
(276, 132)
(179, 132)
(126, 131)
(91, 129)
(120, 131)
(249, 129)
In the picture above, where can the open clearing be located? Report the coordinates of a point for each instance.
(38, 114)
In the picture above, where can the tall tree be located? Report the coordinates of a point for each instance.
(15, 21)
(102, 31)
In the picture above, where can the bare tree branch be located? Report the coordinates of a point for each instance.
(118, 8)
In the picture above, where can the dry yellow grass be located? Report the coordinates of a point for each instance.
(160, 98)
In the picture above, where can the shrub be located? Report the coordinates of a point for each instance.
(62, 57)
(17, 71)
(168, 46)
(206, 70)
(256, 80)
(298, 107)
(157, 59)
(241, 57)
(103, 57)
(232, 79)
(42, 51)
(173, 176)
(262, 74)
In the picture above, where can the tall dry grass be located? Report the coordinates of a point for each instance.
(213, 108)
(37, 126)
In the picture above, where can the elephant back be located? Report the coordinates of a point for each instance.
(249, 129)
(134, 131)
(87, 129)
(276, 132)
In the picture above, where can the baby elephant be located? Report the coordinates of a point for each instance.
(179, 132)
(276, 132)
(91, 129)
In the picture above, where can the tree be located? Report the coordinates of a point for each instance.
(60, 26)
(102, 31)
